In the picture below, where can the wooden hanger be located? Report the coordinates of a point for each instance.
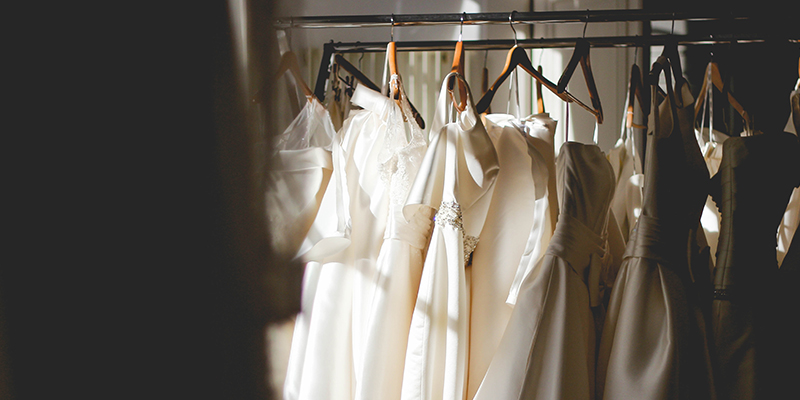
(458, 67)
(635, 92)
(581, 55)
(517, 57)
(716, 81)
(391, 54)
(288, 63)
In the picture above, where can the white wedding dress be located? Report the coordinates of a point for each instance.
(300, 170)
(514, 230)
(548, 348)
(457, 177)
(359, 283)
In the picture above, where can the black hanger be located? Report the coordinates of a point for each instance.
(361, 78)
(670, 52)
(351, 69)
(581, 55)
(517, 57)
(662, 64)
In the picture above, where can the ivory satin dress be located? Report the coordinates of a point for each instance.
(457, 179)
(517, 223)
(548, 348)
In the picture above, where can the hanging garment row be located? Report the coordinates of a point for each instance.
(466, 260)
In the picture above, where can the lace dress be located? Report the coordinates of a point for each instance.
(457, 178)
(330, 357)
(299, 173)
(390, 294)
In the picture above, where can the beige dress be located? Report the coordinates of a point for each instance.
(654, 343)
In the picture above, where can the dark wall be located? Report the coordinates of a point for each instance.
(137, 266)
(761, 75)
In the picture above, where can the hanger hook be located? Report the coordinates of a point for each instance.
(711, 52)
(586, 23)
(289, 31)
(392, 31)
(461, 31)
(511, 23)
(672, 31)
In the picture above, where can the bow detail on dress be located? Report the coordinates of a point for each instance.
(585, 250)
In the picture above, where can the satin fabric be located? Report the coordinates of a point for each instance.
(457, 176)
(540, 129)
(711, 147)
(523, 177)
(548, 348)
(654, 343)
(745, 318)
(627, 164)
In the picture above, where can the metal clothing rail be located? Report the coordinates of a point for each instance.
(623, 15)
(504, 44)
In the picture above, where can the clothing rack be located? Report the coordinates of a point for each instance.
(514, 17)
(504, 44)
(360, 21)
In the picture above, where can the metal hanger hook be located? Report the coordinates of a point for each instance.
(511, 23)
(672, 31)
(289, 31)
(586, 23)
(461, 31)
(392, 31)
